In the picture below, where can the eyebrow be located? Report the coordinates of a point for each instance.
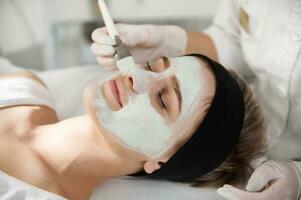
(177, 91)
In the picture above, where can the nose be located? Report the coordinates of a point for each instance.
(143, 80)
(128, 80)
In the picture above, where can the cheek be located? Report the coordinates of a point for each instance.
(88, 98)
(176, 144)
(186, 124)
(180, 139)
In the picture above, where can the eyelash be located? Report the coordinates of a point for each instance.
(161, 102)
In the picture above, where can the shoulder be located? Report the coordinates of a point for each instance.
(22, 74)
(25, 101)
(22, 119)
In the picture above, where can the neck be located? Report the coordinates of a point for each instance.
(79, 155)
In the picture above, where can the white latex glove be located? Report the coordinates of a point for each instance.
(273, 180)
(145, 42)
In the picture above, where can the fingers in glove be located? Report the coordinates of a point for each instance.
(102, 50)
(278, 191)
(102, 37)
(262, 176)
(232, 193)
(133, 35)
(108, 62)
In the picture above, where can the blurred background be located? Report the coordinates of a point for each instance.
(49, 34)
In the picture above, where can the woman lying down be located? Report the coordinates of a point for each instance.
(184, 119)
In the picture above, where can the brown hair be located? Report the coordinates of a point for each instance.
(236, 169)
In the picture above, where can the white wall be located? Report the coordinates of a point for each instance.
(28, 36)
(21, 24)
(162, 9)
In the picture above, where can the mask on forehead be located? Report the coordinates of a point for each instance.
(137, 125)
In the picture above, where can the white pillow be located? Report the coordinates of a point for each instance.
(146, 189)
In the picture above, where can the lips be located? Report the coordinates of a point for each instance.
(115, 91)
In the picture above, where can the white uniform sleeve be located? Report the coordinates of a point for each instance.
(225, 33)
(24, 91)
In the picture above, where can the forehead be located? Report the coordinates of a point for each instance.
(188, 70)
(184, 64)
(189, 73)
(195, 85)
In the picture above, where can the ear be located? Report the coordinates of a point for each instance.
(152, 166)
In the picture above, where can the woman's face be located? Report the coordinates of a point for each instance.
(150, 108)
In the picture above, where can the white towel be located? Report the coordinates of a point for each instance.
(6, 66)
(24, 91)
(12, 188)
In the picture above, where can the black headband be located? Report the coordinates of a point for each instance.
(216, 136)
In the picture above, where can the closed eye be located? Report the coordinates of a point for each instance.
(149, 67)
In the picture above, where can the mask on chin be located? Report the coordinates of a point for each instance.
(138, 126)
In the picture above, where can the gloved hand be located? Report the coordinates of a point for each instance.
(273, 180)
(145, 42)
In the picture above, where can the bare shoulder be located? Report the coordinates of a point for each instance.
(22, 119)
(33, 114)
(37, 114)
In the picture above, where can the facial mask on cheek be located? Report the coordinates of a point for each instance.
(138, 126)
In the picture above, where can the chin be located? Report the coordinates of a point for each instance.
(88, 96)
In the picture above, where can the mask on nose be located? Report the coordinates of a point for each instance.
(142, 79)
(138, 126)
